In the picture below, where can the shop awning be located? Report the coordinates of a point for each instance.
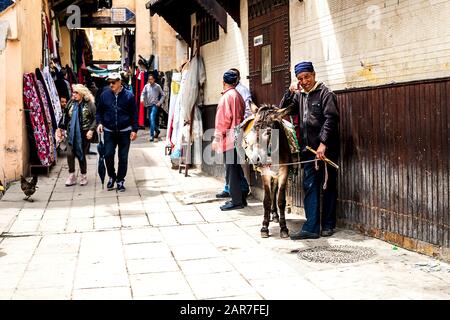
(178, 13)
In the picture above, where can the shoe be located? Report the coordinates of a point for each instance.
(231, 206)
(110, 185)
(152, 139)
(244, 198)
(121, 186)
(71, 180)
(157, 134)
(83, 180)
(223, 194)
(327, 233)
(303, 235)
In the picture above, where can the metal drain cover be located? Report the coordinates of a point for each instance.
(336, 254)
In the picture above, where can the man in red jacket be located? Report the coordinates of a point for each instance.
(230, 113)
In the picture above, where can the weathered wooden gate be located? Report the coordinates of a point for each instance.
(269, 49)
(395, 177)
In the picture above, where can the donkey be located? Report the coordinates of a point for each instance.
(267, 132)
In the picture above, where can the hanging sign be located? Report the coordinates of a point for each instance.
(257, 41)
(121, 14)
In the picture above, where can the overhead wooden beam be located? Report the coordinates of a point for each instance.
(213, 8)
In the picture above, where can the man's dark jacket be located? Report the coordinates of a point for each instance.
(117, 112)
(320, 122)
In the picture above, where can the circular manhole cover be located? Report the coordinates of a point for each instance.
(336, 254)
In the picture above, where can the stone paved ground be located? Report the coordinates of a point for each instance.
(147, 243)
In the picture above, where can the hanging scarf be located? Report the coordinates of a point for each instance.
(75, 132)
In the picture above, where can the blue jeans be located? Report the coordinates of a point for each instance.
(312, 184)
(153, 117)
(243, 182)
(112, 140)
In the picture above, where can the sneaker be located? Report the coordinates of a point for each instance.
(327, 232)
(71, 180)
(83, 180)
(121, 186)
(152, 139)
(303, 235)
(110, 184)
(223, 194)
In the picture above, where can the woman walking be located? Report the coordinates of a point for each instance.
(79, 121)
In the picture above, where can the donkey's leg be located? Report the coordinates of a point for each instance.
(267, 206)
(273, 195)
(282, 184)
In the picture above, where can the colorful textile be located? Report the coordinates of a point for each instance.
(46, 111)
(53, 92)
(33, 106)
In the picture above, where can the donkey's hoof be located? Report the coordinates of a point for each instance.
(264, 233)
(276, 219)
(284, 234)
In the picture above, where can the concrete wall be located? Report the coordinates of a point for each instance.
(65, 48)
(230, 51)
(165, 43)
(143, 38)
(22, 54)
(104, 46)
(357, 43)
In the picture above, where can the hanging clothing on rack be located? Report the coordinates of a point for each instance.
(141, 78)
(48, 119)
(36, 120)
(54, 97)
(40, 76)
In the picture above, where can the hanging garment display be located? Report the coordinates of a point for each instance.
(175, 89)
(81, 54)
(141, 78)
(177, 122)
(40, 76)
(192, 80)
(37, 122)
(54, 98)
(46, 111)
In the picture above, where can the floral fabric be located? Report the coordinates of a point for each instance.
(33, 106)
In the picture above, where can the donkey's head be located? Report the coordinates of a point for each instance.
(261, 139)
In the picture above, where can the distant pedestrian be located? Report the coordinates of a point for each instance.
(117, 118)
(79, 123)
(153, 98)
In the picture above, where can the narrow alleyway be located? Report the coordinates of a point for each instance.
(153, 242)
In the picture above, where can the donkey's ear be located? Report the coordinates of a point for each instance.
(281, 113)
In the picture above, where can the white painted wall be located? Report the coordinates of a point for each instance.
(230, 51)
(358, 43)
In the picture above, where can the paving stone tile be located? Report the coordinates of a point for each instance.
(109, 293)
(149, 284)
(141, 235)
(204, 266)
(147, 250)
(152, 265)
(217, 285)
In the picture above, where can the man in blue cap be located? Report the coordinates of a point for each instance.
(319, 130)
(229, 114)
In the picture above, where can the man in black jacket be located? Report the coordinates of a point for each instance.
(117, 118)
(320, 131)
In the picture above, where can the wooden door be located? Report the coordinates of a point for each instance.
(269, 50)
